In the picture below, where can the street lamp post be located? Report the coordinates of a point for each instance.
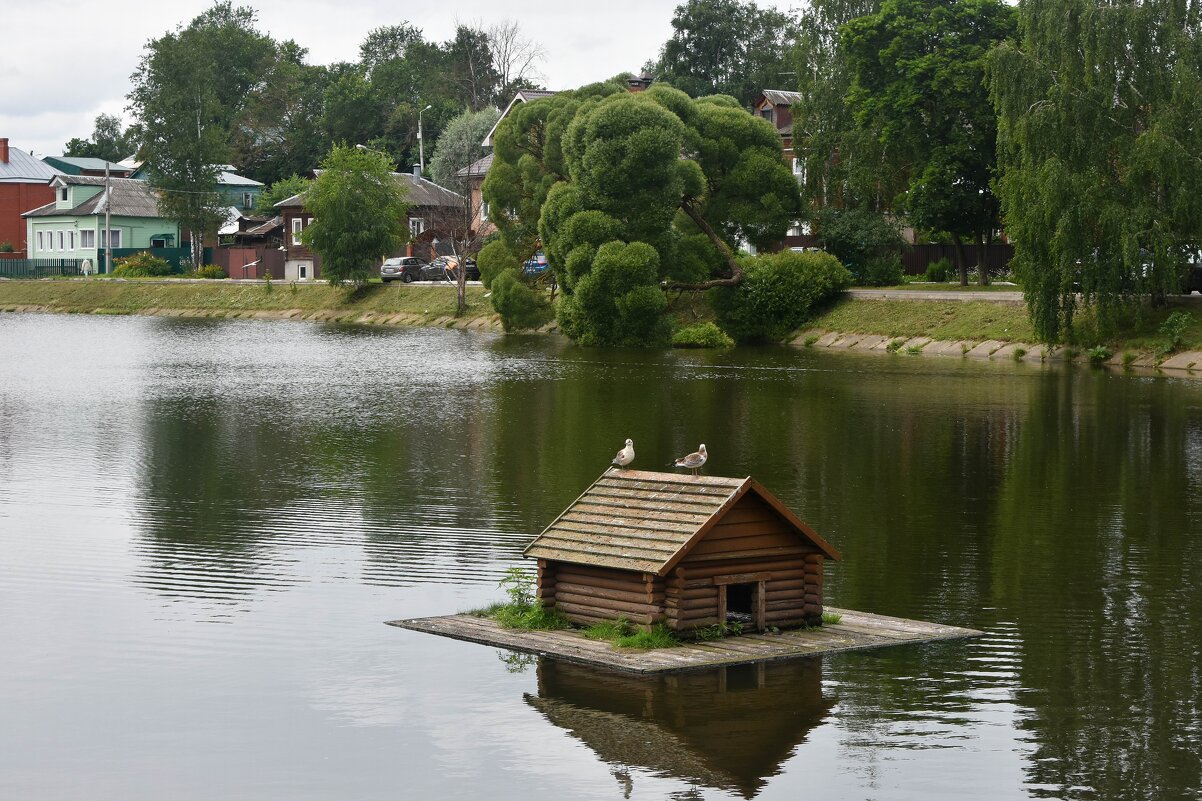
(421, 146)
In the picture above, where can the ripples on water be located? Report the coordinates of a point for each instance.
(203, 524)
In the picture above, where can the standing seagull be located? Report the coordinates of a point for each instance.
(693, 461)
(626, 455)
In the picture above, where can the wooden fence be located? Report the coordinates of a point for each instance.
(258, 262)
(996, 257)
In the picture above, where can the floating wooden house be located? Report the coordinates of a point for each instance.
(686, 551)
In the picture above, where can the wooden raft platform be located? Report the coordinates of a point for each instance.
(856, 631)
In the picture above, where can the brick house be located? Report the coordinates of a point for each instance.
(24, 185)
(776, 106)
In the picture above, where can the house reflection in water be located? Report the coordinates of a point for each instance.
(729, 729)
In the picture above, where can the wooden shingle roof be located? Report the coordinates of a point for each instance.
(647, 522)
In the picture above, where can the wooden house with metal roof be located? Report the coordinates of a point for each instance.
(686, 551)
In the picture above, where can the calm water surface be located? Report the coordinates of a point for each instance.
(204, 524)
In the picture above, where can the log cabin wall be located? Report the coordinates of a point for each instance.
(751, 544)
(586, 595)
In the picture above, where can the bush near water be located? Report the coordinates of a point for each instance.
(779, 292)
(141, 265)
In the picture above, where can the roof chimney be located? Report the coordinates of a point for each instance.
(4, 150)
(417, 171)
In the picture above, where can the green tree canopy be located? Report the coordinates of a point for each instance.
(1098, 107)
(110, 141)
(281, 190)
(917, 70)
(190, 87)
(460, 146)
(726, 47)
(359, 213)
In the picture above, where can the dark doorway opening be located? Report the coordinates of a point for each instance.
(740, 604)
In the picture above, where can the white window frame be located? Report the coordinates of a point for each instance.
(71, 239)
(248, 200)
(417, 226)
(64, 194)
(298, 224)
(87, 238)
(116, 238)
(62, 240)
(483, 210)
(41, 246)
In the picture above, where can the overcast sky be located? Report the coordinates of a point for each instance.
(63, 63)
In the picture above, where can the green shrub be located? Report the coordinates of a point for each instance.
(521, 307)
(883, 271)
(522, 610)
(210, 271)
(141, 265)
(811, 339)
(831, 618)
(616, 299)
(702, 335)
(716, 631)
(937, 271)
(1098, 354)
(495, 258)
(1173, 330)
(860, 238)
(778, 293)
(657, 637)
(1019, 353)
(895, 345)
(7, 247)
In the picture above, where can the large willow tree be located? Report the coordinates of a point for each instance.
(1100, 150)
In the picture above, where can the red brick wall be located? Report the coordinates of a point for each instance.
(15, 200)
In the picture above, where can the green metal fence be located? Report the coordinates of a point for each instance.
(38, 268)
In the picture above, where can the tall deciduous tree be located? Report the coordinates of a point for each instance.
(726, 47)
(1099, 142)
(458, 148)
(918, 70)
(189, 88)
(359, 213)
(515, 57)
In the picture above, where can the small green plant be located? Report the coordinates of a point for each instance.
(210, 271)
(914, 350)
(1173, 330)
(1098, 354)
(702, 335)
(937, 271)
(1071, 354)
(1019, 353)
(894, 345)
(609, 630)
(522, 611)
(1129, 358)
(810, 340)
(831, 618)
(965, 348)
(657, 637)
(7, 247)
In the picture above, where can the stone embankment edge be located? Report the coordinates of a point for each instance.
(489, 323)
(1189, 362)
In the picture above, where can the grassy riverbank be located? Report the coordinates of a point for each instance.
(980, 321)
(402, 304)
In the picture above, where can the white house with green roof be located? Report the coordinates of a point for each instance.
(72, 227)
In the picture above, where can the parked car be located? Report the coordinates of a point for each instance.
(1193, 280)
(535, 264)
(403, 268)
(449, 265)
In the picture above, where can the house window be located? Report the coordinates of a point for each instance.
(41, 246)
(304, 271)
(116, 238)
(297, 225)
(416, 226)
(248, 200)
(62, 194)
(70, 240)
(483, 210)
(87, 238)
(766, 114)
(62, 240)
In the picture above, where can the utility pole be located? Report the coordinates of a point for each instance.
(421, 148)
(108, 232)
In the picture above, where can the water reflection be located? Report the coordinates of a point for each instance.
(729, 729)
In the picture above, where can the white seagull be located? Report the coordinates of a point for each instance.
(693, 461)
(626, 455)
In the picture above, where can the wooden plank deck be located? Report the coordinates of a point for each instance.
(856, 631)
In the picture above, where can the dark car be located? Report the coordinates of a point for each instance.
(404, 268)
(1193, 279)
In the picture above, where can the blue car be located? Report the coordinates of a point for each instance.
(535, 264)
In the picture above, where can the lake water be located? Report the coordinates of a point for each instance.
(204, 524)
